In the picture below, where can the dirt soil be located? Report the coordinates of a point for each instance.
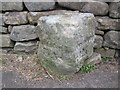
(23, 71)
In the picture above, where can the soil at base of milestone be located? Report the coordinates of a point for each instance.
(23, 71)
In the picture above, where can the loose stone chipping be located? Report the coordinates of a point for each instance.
(65, 41)
(23, 33)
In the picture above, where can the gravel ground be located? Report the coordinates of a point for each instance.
(23, 71)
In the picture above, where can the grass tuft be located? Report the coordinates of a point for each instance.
(86, 68)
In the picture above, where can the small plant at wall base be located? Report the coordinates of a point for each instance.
(86, 68)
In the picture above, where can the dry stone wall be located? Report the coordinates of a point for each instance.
(19, 21)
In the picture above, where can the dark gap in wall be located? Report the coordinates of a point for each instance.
(13, 42)
(3, 12)
(34, 24)
(7, 49)
(18, 24)
(11, 11)
(105, 31)
(108, 3)
(57, 7)
(107, 15)
(24, 7)
(38, 39)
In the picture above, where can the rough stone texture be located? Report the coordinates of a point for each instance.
(106, 23)
(23, 33)
(112, 39)
(98, 41)
(97, 8)
(5, 41)
(1, 20)
(15, 18)
(3, 30)
(65, 41)
(25, 46)
(117, 54)
(0, 7)
(71, 5)
(99, 32)
(94, 59)
(114, 10)
(12, 6)
(34, 16)
(10, 28)
(39, 6)
(105, 52)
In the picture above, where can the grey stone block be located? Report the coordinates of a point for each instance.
(5, 41)
(15, 18)
(39, 6)
(23, 33)
(112, 40)
(12, 6)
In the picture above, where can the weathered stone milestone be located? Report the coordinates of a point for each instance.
(65, 41)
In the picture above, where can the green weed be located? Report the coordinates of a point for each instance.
(86, 68)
